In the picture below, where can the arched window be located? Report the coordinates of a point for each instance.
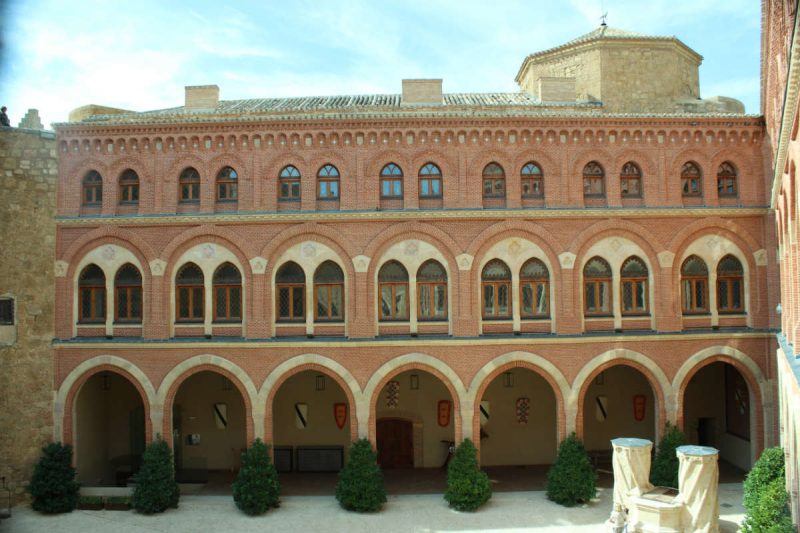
(534, 291)
(430, 181)
(329, 291)
(496, 290)
(597, 288)
(494, 181)
(432, 291)
(726, 180)
(393, 289)
(227, 185)
(328, 183)
(594, 178)
(634, 287)
(730, 285)
(532, 181)
(691, 179)
(128, 290)
(290, 283)
(92, 188)
(391, 182)
(289, 184)
(227, 283)
(694, 286)
(189, 294)
(129, 187)
(189, 186)
(630, 180)
(92, 295)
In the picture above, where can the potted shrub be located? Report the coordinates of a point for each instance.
(156, 489)
(571, 479)
(53, 488)
(90, 503)
(118, 503)
(256, 489)
(467, 486)
(360, 486)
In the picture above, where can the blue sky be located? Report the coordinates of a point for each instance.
(140, 55)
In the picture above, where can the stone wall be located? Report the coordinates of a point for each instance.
(28, 191)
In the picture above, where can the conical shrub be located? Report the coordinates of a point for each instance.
(765, 499)
(467, 486)
(571, 479)
(156, 489)
(360, 487)
(664, 472)
(256, 489)
(53, 488)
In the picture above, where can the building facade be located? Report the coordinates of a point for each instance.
(418, 268)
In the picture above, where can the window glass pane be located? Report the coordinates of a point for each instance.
(591, 305)
(222, 305)
(488, 300)
(640, 295)
(424, 188)
(440, 300)
(401, 301)
(336, 301)
(627, 296)
(722, 294)
(687, 295)
(436, 187)
(122, 304)
(295, 189)
(700, 294)
(197, 302)
(100, 303)
(527, 299)
(183, 303)
(487, 187)
(386, 301)
(398, 188)
(284, 190)
(283, 302)
(541, 299)
(235, 295)
(425, 301)
(136, 303)
(297, 302)
(323, 189)
(603, 303)
(502, 300)
(322, 302)
(386, 188)
(736, 294)
(334, 189)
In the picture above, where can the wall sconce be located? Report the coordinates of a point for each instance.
(508, 379)
(414, 382)
(320, 382)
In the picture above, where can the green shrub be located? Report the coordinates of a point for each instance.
(256, 489)
(53, 488)
(467, 487)
(571, 479)
(765, 498)
(360, 486)
(156, 489)
(119, 500)
(90, 500)
(664, 472)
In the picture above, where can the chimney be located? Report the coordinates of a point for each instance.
(202, 97)
(422, 92)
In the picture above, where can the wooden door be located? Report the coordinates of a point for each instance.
(395, 443)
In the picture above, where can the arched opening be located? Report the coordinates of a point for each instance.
(209, 428)
(110, 430)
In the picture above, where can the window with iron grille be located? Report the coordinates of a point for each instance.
(432, 291)
(430, 181)
(392, 182)
(227, 286)
(329, 291)
(597, 288)
(189, 186)
(694, 286)
(496, 290)
(189, 294)
(594, 179)
(691, 179)
(634, 276)
(532, 181)
(630, 181)
(730, 285)
(128, 291)
(129, 187)
(393, 291)
(290, 283)
(494, 181)
(534, 289)
(92, 295)
(227, 185)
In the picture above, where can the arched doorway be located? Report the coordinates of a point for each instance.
(717, 412)
(208, 427)
(110, 430)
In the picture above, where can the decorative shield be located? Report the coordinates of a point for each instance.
(639, 407)
(443, 413)
(340, 414)
(392, 393)
(523, 410)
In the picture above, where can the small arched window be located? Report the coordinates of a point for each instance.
(227, 185)
(129, 187)
(289, 184)
(634, 276)
(328, 183)
(128, 291)
(329, 291)
(594, 179)
(189, 294)
(730, 285)
(597, 288)
(532, 181)
(494, 181)
(92, 188)
(430, 181)
(393, 290)
(726, 180)
(496, 290)
(691, 179)
(534, 289)
(694, 286)
(227, 282)
(630, 180)
(189, 186)
(432, 291)
(391, 182)
(290, 282)
(92, 295)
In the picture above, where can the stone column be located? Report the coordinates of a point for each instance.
(631, 462)
(698, 478)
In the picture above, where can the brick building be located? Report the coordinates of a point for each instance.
(584, 255)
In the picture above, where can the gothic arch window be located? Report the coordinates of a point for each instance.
(328, 183)
(189, 186)
(392, 182)
(289, 184)
(691, 179)
(432, 291)
(694, 286)
(92, 189)
(227, 185)
(393, 291)
(730, 285)
(128, 293)
(290, 285)
(496, 290)
(635, 295)
(189, 294)
(430, 181)
(534, 288)
(594, 178)
(329, 292)
(532, 180)
(726, 181)
(597, 288)
(630, 180)
(494, 181)
(129, 187)
(92, 295)
(227, 287)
